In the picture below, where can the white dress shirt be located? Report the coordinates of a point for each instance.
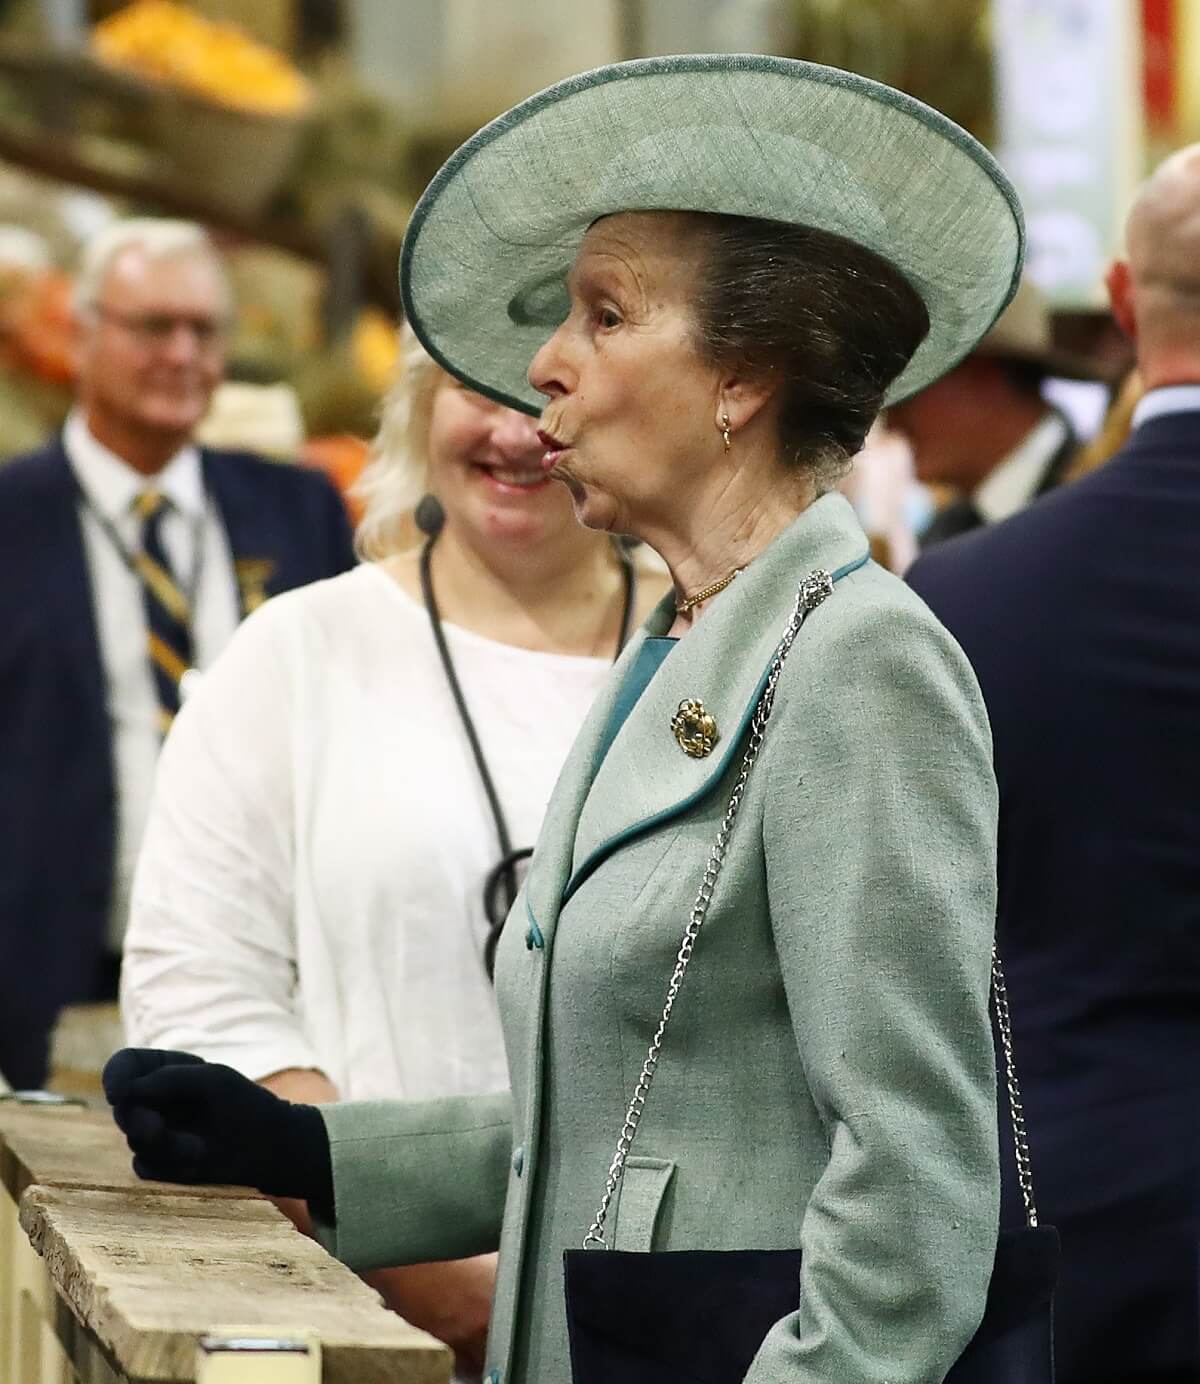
(310, 893)
(1012, 484)
(1171, 398)
(196, 545)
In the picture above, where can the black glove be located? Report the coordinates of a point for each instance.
(188, 1120)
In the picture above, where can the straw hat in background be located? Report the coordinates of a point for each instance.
(1024, 331)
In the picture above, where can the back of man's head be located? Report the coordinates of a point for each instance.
(1155, 290)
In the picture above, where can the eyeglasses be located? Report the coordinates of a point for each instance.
(159, 328)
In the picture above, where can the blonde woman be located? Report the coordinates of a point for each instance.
(309, 905)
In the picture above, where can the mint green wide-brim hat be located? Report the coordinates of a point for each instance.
(483, 268)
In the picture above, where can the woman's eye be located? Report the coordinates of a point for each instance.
(607, 318)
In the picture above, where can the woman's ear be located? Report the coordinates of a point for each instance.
(741, 399)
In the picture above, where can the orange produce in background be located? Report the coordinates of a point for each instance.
(37, 325)
(170, 43)
(342, 458)
(375, 344)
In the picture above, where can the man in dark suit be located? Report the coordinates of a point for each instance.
(1082, 618)
(985, 431)
(127, 557)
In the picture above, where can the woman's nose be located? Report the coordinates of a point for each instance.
(548, 369)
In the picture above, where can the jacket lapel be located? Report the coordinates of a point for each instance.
(236, 516)
(241, 515)
(70, 582)
(550, 867)
(646, 778)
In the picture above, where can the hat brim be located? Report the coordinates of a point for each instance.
(1058, 365)
(485, 258)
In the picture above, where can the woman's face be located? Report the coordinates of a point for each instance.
(631, 417)
(485, 467)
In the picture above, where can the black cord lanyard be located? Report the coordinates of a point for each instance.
(192, 589)
(500, 887)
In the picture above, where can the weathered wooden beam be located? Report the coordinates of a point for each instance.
(149, 1275)
(66, 1146)
(105, 1279)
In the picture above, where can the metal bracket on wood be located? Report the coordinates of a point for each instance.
(258, 1355)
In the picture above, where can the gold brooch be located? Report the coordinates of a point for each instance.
(694, 728)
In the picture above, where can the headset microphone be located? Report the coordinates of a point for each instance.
(429, 515)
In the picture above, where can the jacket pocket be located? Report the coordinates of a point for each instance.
(643, 1188)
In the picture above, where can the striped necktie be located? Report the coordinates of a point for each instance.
(168, 616)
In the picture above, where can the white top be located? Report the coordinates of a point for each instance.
(1170, 398)
(310, 892)
(1012, 484)
(112, 487)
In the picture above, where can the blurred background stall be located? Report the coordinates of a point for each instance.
(301, 133)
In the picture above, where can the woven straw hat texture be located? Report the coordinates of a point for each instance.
(484, 262)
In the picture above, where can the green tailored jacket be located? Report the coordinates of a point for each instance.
(828, 1076)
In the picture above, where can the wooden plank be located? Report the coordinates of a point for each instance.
(66, 1146)
(38, 1356)
(88, 1363)
(148, 1274)
(85, 1036)
(10, 1297)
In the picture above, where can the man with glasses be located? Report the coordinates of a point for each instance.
(128, 555)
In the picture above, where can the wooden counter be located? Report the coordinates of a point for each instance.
(68, 1146)
(105, 1279)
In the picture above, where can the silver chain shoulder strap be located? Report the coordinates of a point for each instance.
(813, 589)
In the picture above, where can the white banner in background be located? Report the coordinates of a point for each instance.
(1069, 106)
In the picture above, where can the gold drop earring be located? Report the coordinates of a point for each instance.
(725, 428)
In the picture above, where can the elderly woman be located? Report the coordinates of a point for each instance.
(716, 271)
(312, 900)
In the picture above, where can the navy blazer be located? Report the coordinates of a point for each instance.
(57, 790)
(1082, 618)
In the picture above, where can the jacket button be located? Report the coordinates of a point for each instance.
(534, 938)
(518, 1159)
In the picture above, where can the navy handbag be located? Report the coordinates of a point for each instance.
(700, 1316)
